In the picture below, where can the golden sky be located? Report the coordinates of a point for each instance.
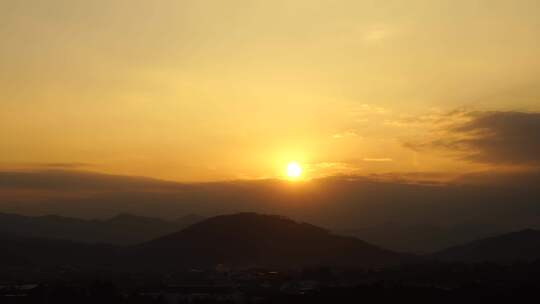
(204, 90)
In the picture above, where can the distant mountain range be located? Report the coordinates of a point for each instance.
(123, 229)
(423, 238)
(385, 210)
(523, 245)
(240, 240)
(37, 253)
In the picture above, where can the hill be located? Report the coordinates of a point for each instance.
(123, 229)
(250, 239)
(521, 245)
(36, 253)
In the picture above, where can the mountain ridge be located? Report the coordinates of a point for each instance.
(122, 229)
(252, 239)
(520, 245)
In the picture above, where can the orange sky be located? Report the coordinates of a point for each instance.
(214, 90)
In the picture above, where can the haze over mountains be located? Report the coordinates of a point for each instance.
(246, 240)
(523, 245)
(123, 229)
(412, 213)
(254, 256)
(239, 240)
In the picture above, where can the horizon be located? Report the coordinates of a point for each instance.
(284, 151)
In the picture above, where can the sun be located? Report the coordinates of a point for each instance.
(294, 171)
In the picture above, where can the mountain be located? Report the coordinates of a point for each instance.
(250, 239)
(40, 252)
(463, 209)
(422, 238)
(123, 229)
(521, 245)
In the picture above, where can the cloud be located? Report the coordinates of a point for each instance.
(376, 34)
(378, 160)
(494, 200)
(368, 108)
(340, 201)
(501, 138)
(72, 180)
(420, 178)
(345, 134)
(73, 165)
(334, 168)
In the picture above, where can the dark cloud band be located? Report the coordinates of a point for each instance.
(490, 137)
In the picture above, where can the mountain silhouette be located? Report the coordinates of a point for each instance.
(250, 239)
(40, 252)
(238, 240)
(123, 229)
(521, 245)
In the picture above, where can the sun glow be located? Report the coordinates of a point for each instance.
(294, 171)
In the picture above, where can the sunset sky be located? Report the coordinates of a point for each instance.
(200, 90)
